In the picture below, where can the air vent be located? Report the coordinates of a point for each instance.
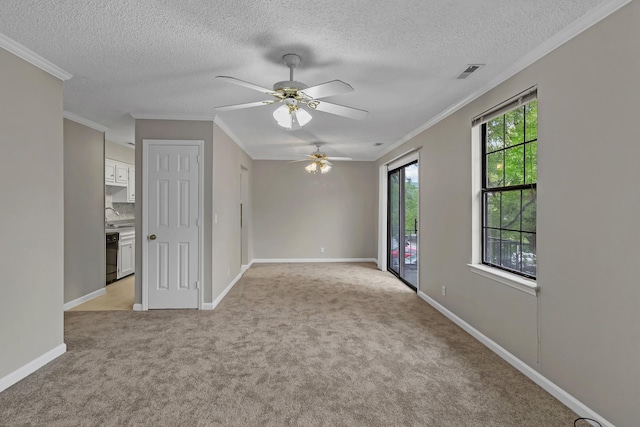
(471, 68)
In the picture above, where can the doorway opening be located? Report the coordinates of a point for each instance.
(402, 223)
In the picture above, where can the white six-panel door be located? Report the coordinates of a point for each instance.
(173, 205)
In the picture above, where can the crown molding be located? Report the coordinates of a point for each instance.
(145, 116)
(33, 58)
(222, 125)
(563, 36)
(215, 119)
(79, 119)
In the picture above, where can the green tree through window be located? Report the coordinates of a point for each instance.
(510, 173)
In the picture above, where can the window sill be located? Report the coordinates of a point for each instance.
(520, 283)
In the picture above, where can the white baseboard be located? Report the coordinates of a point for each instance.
(214, 304)
(84, 298)
(567, 399)
(137, 307)
(244, 268)
(28, 369)
(289, 260)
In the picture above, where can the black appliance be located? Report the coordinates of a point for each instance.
(112, 256)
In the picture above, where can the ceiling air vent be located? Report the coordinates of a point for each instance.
(471, 68)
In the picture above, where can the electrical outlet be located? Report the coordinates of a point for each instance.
(215, 219)
(321, 250)
(228, 271)
(444, 290)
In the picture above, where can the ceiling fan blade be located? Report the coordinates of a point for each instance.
(246, 84)
(339, 158)
(341, 110)
(334, 87)
(247, 105)
(296, 161)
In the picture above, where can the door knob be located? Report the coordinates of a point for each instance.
(152, 237)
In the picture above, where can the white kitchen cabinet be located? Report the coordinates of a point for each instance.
(131, 185)
(122, 173)
(126, 255)
(109, 172)
(116, 174)
(121, 178)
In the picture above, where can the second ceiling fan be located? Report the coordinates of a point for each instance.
(294, 95)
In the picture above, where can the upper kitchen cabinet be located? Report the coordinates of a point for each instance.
(122, 173)
(118, 174)
(115, 173)
(109, 172)
(131, 184)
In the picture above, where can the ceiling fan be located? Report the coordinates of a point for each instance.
(319, 162)
(294, 95)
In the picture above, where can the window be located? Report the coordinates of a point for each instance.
(509, 176)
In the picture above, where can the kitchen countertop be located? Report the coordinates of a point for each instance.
(120, 226)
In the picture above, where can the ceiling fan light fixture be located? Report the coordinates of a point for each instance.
(325, 168)
(302, 116)
(290, 117)
(283, 116)
(311, 167)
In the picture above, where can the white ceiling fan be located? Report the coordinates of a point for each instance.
(295, 95)
(319, 162)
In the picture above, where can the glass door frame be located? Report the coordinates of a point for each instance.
(401, 240)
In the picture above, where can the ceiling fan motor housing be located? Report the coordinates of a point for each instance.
(289, 87)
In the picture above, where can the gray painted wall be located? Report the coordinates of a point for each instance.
(32, 226)
(588, 210)
(228, 159)
(296, 213)
(84, 244)
(119, 152)
(185, 130)
(222, 162)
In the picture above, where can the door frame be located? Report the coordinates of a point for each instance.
(410, 156)
(146, 144)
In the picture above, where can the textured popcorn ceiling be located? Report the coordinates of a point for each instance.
(159, 57)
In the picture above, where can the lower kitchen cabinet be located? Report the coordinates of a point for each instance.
(126, 256)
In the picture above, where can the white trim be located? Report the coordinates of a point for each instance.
(412, 155)
(292, 260)
(144, 304)
(28, 369)
(69, 305)
(560, 394)
(145, 226)
(382, 217)
(593, 17)
(214, 304)
(33, 58)
(137, 307)
(223, 126)
(476, 196)
(244, 268)
(197, 118)
(79, 119)
(215, 119)
(513, 280)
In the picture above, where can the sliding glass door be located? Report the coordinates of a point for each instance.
(403, 223)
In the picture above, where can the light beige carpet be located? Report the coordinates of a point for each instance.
(290, 345)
